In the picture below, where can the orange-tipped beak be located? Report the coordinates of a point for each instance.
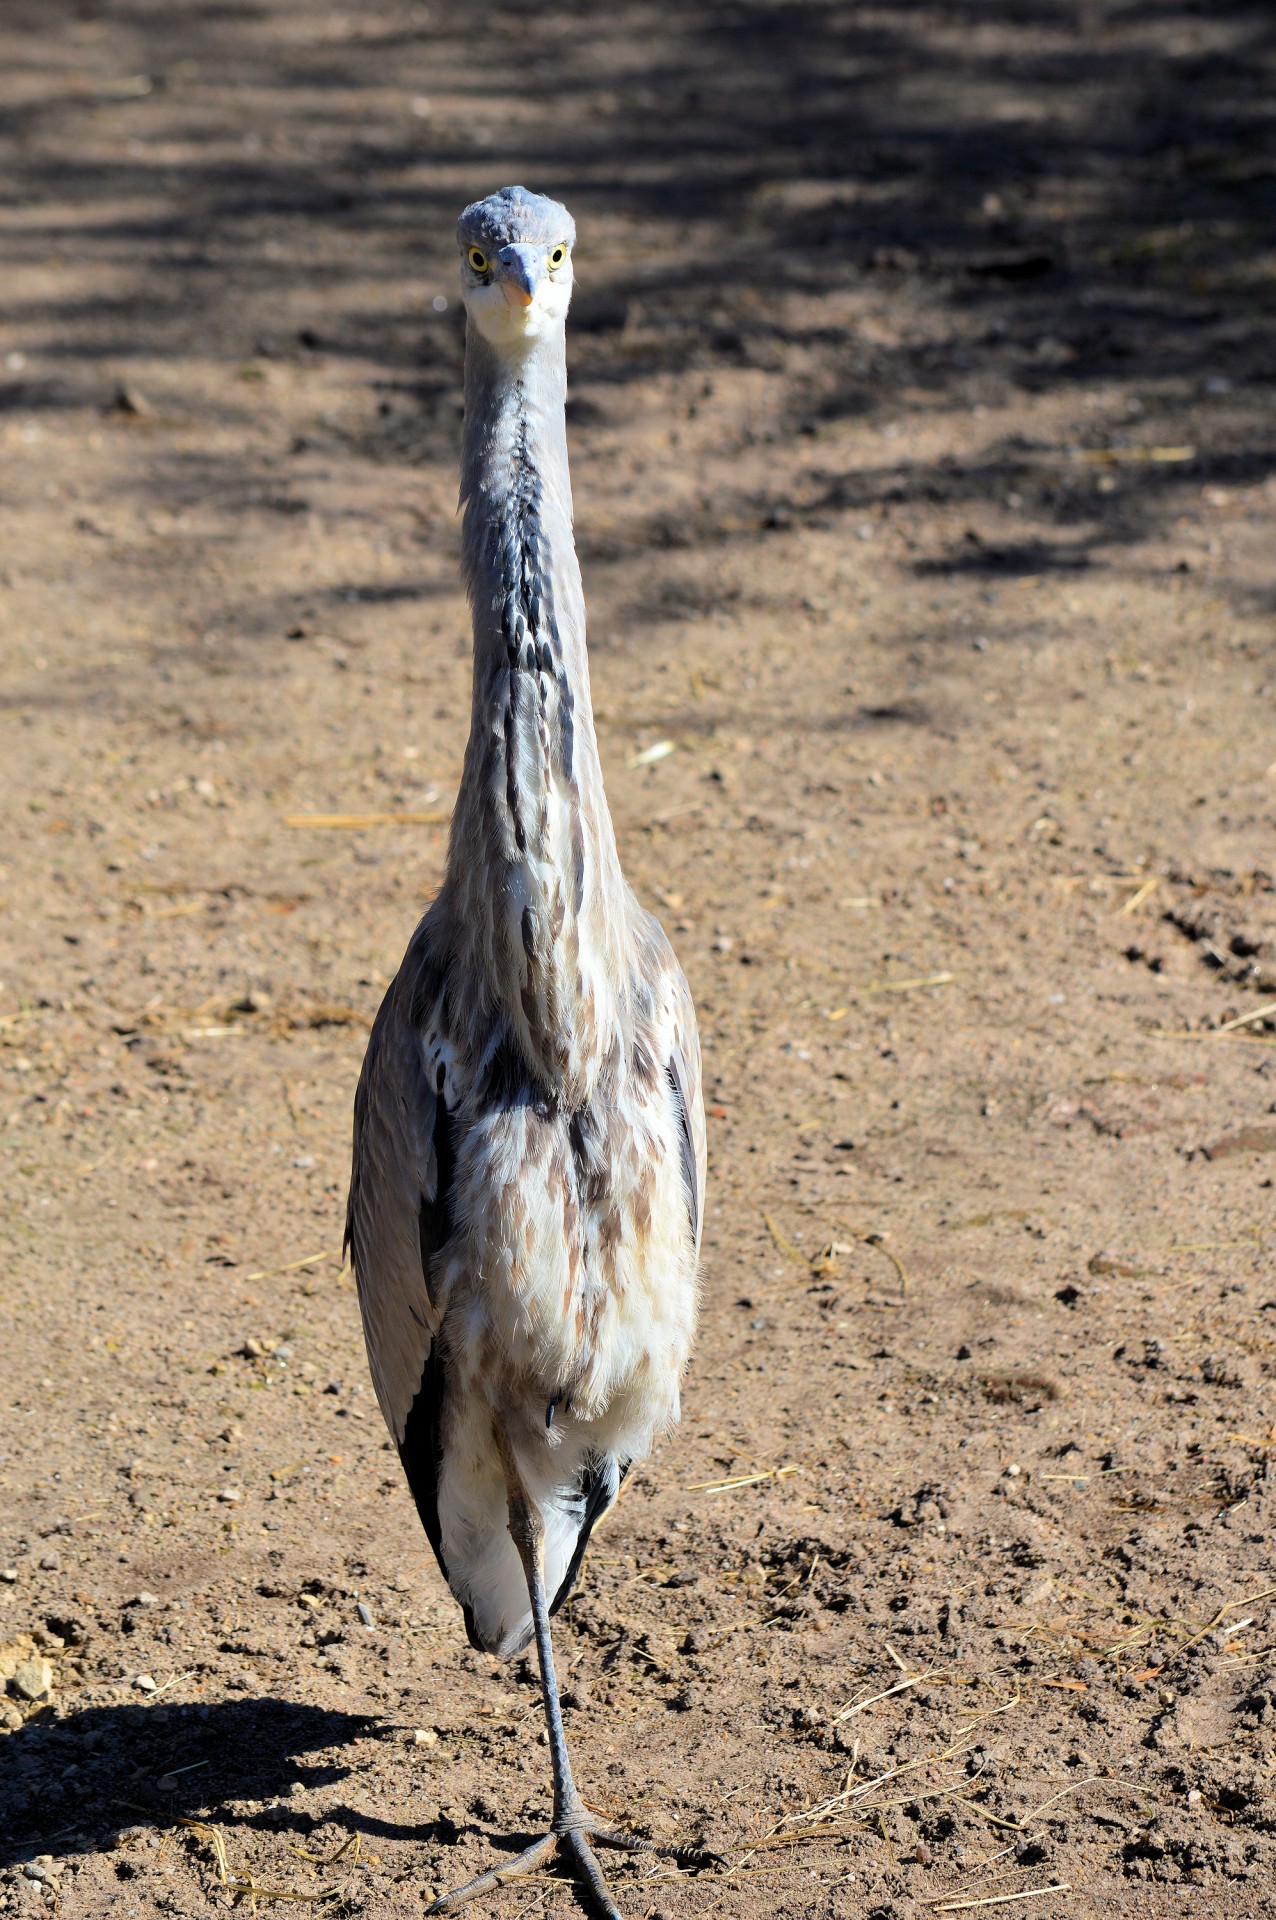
(516, 296)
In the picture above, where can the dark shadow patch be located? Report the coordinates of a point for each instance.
(1022, 559)
(250, 1749)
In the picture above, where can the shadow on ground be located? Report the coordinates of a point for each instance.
(70, 1784)
(1084, 192)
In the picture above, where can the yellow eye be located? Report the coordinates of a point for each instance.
(477, 259)
(557, 257)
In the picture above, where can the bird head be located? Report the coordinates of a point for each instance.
(516, 266)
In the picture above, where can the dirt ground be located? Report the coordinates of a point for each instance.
(924, 442)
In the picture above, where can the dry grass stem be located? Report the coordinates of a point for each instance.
(835, 1250)
(989, 1713)
(294, 1266)
(878, 1241)
(783, 1242)
(174, 1680)
(1135, 456)
(821, 1823)
(1000, 1899)
(909, 986)
(1140, 894)
(1212, 1626)
(357, 822)
(1238, 1025)
(243, 1884)
(1247, 1019)
(744, 1480)
(858, 1706)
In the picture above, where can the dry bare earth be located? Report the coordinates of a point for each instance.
(923, 439)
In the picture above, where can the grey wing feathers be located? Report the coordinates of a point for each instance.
(684, 1075)
(393, 1180)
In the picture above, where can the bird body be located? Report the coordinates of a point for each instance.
(529, 1153)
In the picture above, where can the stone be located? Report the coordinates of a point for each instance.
(423, 1737)
(33, 1680)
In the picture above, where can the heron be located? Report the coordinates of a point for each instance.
(529, 1144)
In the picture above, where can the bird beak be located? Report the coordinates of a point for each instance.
(520, 271)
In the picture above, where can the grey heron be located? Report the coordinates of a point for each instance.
(529, 1146)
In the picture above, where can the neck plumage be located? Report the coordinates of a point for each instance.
(538, 896)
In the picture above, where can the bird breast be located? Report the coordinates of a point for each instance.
(570, 1278)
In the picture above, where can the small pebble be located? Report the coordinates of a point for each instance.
(230, 1495)
(8, 1575)
(365, 1614)
(1194, 1797)
(423, 1737)
(33, 1680)
(144, 1683)
(144, 1599)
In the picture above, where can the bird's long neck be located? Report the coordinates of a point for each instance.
(539, 902)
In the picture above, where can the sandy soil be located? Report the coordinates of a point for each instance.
(925, 455)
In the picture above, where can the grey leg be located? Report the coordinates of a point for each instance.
(525, 1527)
(572, 1822)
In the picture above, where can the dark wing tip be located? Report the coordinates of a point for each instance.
(600, 1483)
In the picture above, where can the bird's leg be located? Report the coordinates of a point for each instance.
(525, 1527)
(572, 1820)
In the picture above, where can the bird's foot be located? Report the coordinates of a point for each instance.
(570, 1839)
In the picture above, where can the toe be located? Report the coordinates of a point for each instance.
(590, 1874)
